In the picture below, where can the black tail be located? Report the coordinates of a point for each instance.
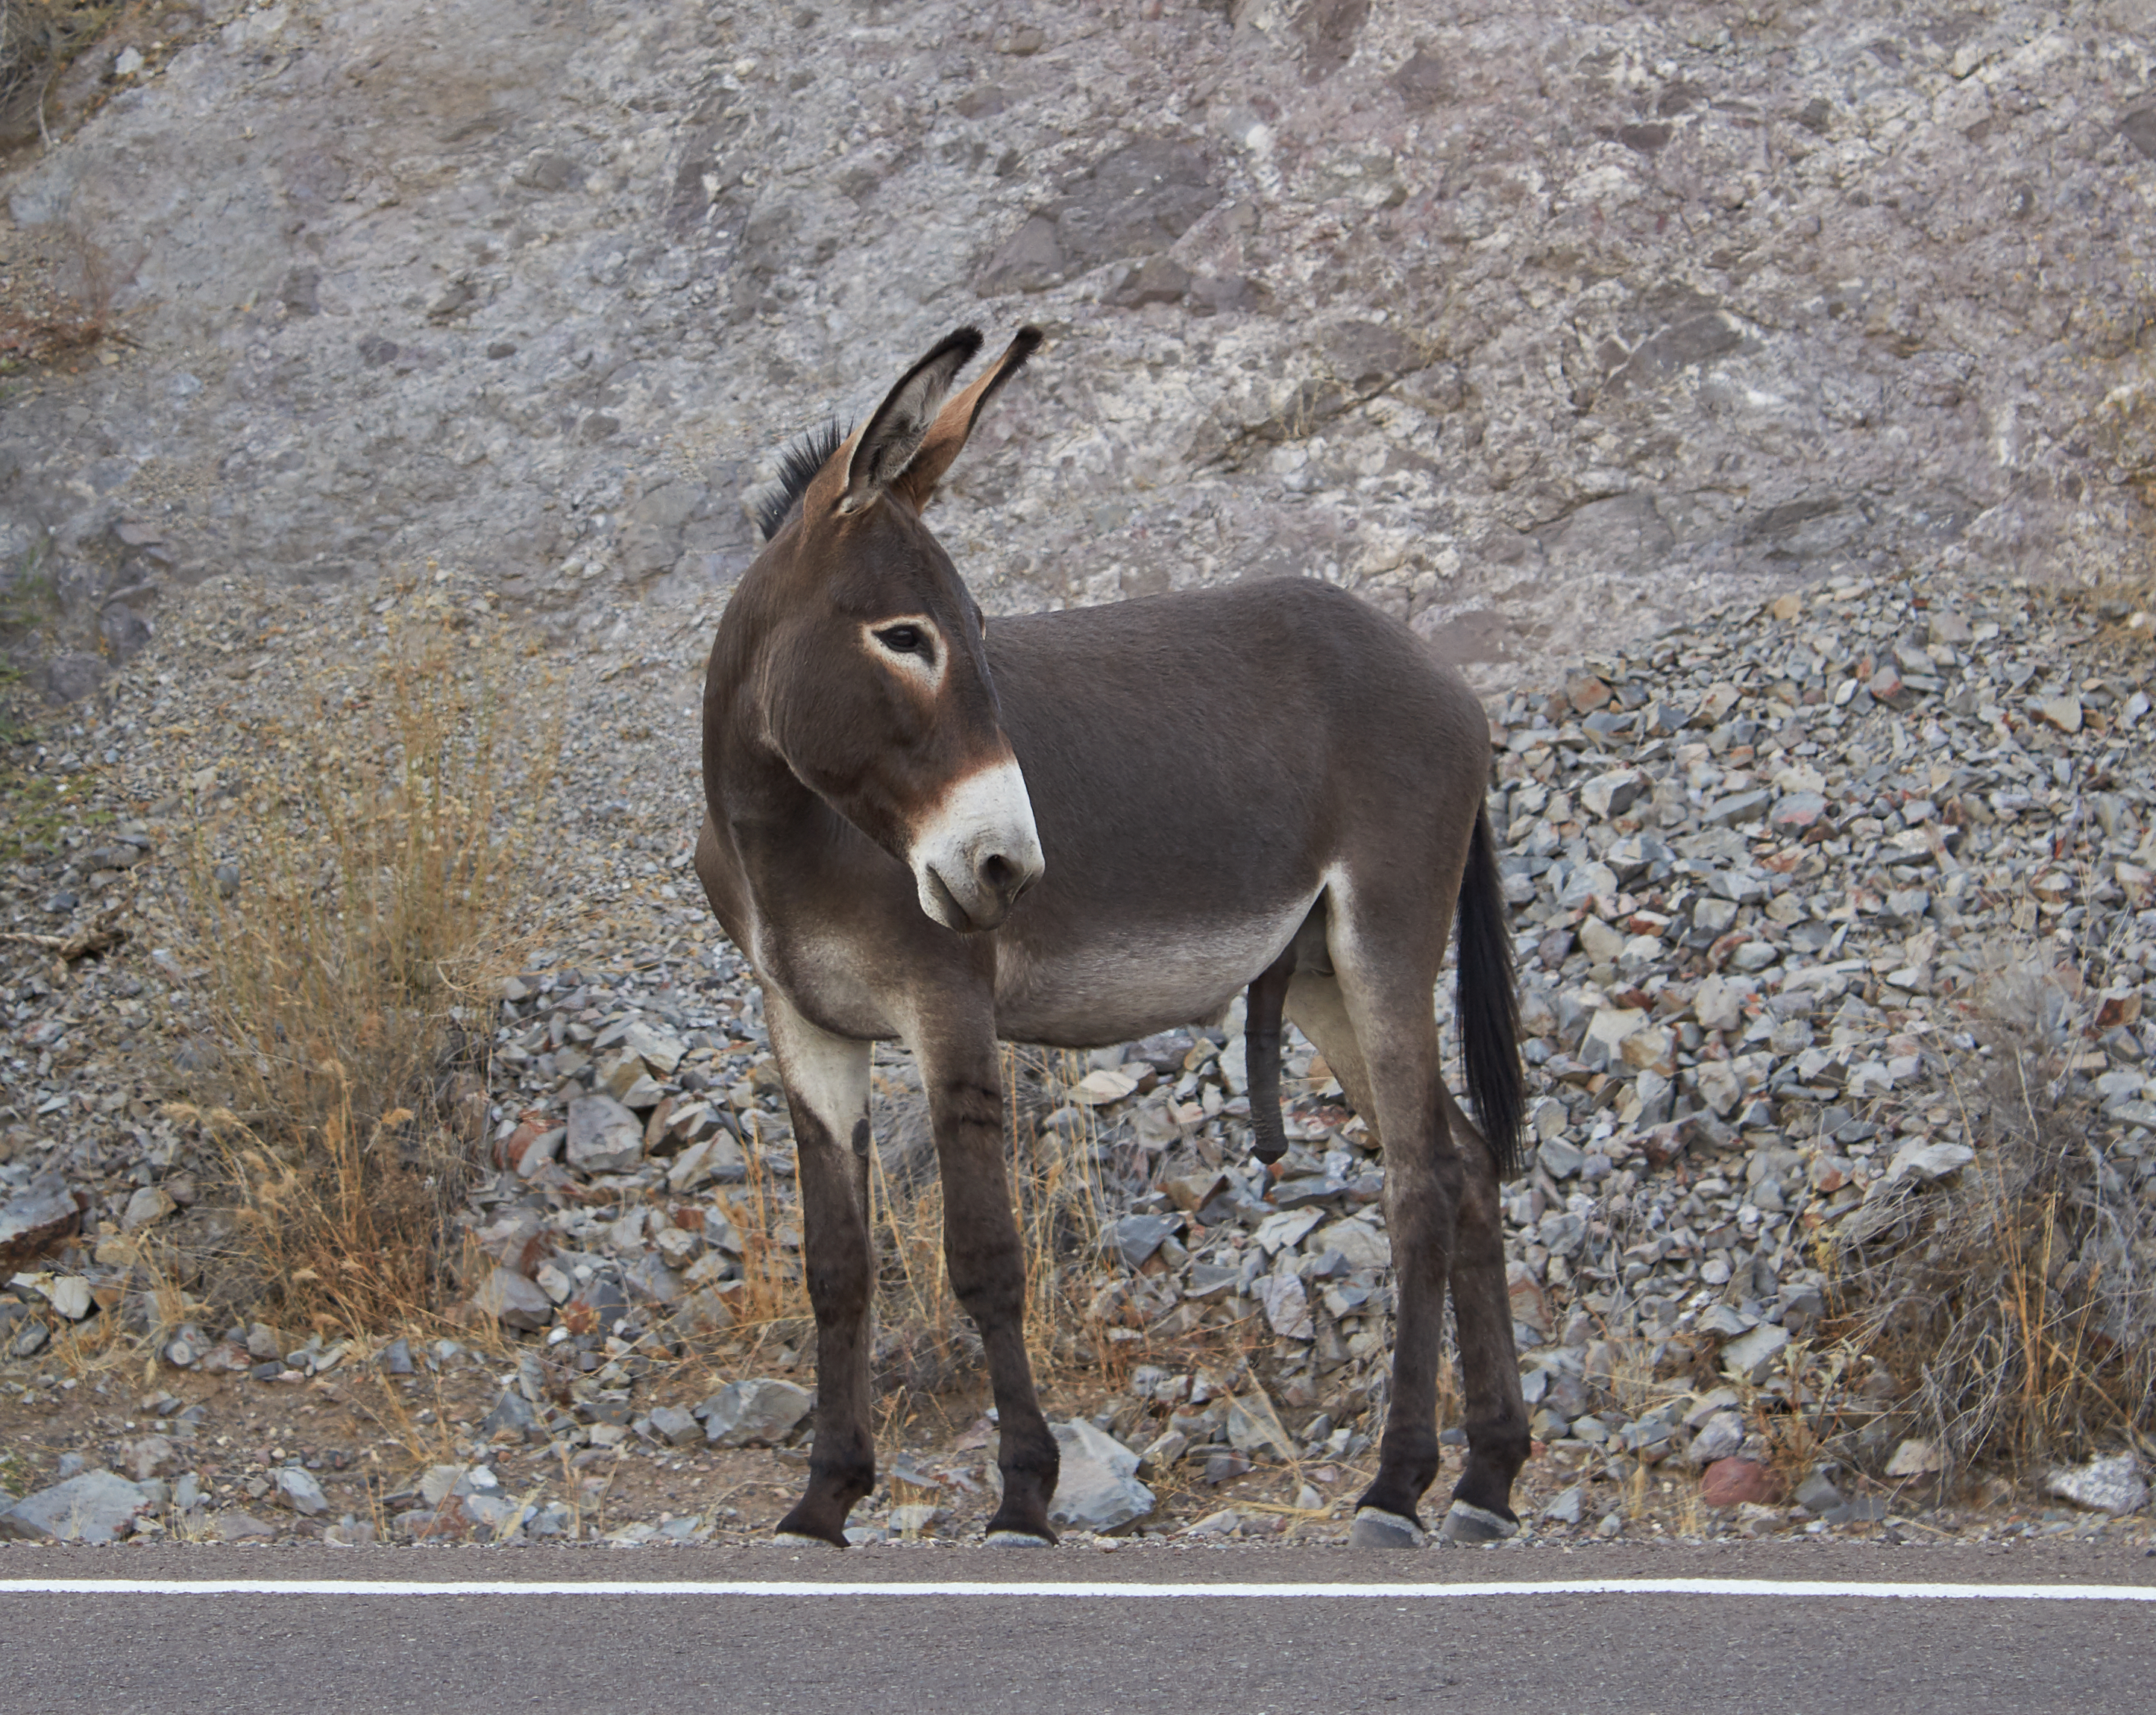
(1487, 1003)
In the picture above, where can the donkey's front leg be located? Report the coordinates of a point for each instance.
(981, 1250)
(827, 1089)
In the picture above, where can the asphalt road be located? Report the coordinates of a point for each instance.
(1399, 1645)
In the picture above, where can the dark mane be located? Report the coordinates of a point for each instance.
(805, 455)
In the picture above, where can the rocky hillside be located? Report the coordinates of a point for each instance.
(1527, 320)
(1821, 904)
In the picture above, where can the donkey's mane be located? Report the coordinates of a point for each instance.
(802, 457)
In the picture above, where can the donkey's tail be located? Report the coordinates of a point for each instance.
(1486, 1001)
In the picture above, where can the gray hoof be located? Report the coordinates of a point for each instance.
(795, 1539)
(1376, 1528)
(1469, 1527)
(1017, 1539)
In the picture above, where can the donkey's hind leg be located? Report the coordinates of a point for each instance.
(1496, 1413)
(827, 1089)
(1382, 1046)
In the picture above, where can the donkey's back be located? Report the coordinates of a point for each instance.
(1203, 767)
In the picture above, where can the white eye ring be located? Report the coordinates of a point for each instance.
(908, 644)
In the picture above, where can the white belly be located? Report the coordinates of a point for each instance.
(1117, 988)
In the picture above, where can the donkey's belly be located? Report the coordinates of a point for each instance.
(1116, 987)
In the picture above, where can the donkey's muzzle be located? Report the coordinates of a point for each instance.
(980, 851)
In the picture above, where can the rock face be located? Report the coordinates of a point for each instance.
(1517, 320)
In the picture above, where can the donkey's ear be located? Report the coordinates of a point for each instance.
(917, 482)
(887, 443)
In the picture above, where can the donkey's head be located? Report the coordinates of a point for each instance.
(873, 678)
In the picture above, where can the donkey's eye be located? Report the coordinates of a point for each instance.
(903, 640)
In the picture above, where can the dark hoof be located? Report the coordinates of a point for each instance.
(800, 1526)
(1376, 1528)
(1019, 1539)
(1470, 1527)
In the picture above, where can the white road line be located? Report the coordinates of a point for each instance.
(1120, 1591)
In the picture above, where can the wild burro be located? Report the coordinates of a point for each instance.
(925, 827)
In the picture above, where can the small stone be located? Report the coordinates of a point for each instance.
(233, 1526)
(1653, 1048)
(765, 1411)
(1718, 1438)
(1286, 1304)
(150, 1204)
(1097, 1488)
(95, 1506)
(1254, 1426)
(1720, 1087)
(513, 1300)
(512, 1415)
(1921, 1160)
(605, 1136)
(674, 1425)
(1818, 1494)
(67, 1294)
(1608, 796)
(1606, 1032)
(1736, 1482)
(1102, 1085)
(1737, 808)
(1560, 1158)
(1750, 1357)
(188, 1347)
(716, 1160)
(1915, 1458)
(657, 1048)
(297, 1489)
(1601, 943)
(1360, 1244)
(634, 1087)
(2111, 1485)
(1718, 701)
(1567, 1505)
(1192, 1192)
(35, 1220)
(1136, 1237)
(1797, 813)
(152, 1455)
(2063, 712)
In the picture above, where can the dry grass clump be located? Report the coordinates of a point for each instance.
(2015, 1305)
(350, 913)
(926, 1345)
(38, 38)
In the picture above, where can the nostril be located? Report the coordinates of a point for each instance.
(996, 872)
